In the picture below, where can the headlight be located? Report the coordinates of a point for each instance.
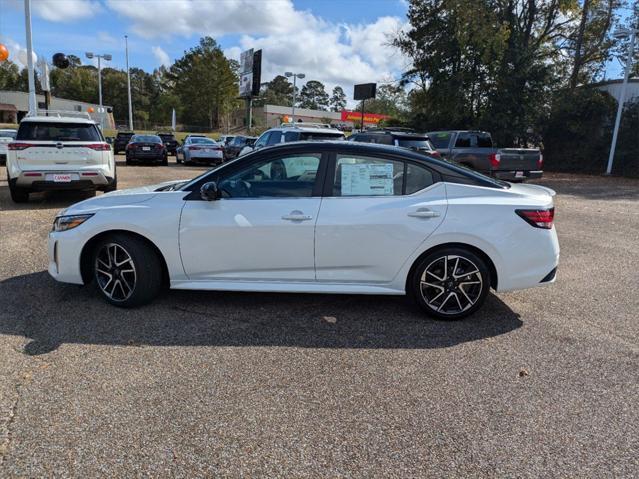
(63, 223)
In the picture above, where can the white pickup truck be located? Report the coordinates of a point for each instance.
(61, 151)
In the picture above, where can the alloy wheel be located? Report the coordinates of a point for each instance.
(451, 284)
(115, 272)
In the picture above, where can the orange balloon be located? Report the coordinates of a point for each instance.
(90, 109)
(4, 53)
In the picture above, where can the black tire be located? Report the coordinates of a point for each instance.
(146, 278)
(445, 294)
(18, 195)
(177, 158)
(112, 187)
(165, 160)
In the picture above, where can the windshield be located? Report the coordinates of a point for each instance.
(146, 139)
(440, 140)
(418, 143)
(167, 137)
(52, 131)
(8, 134)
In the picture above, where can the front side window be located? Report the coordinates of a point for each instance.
(274, 139)
(367, 176)
(463, 141)
(261, 141)
(288, 176)
(51, 131)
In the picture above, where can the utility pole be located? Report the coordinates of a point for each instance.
(128, 82)
(33, 104)
(295, 77)
(107, 57)
(623, 33)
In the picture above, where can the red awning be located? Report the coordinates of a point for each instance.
(7, 107)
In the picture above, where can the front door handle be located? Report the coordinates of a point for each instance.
(424, 213)
(297, 216)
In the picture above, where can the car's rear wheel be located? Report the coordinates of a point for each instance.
(127, 272)
(450, 283)
(18, 195)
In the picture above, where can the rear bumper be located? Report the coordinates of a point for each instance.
(37, 180)
(512, 175)
(206, 159)
(145, 157)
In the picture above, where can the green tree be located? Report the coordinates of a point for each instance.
(279, 91)
(314, 96)
(9, 76)
(205, 82)
(338, 99)
(389, 100)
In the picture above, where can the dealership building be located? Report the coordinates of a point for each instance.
(274, 115)
(14, 105)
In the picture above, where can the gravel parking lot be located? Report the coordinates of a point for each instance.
(543, 382)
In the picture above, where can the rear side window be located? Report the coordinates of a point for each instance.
(33, 131)
(417, 178)
(419, 143)
(291, 136)
(308, 136)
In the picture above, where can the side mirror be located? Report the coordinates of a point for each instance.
(209, 191)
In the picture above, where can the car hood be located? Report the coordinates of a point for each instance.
(116, 198)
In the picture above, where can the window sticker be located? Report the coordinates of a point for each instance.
(368, 179)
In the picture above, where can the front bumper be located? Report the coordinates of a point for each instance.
(64, 252)
(513, 175)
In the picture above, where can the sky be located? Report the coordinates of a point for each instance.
(338, 42)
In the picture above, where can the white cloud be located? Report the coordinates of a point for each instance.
(17, 52)
(161, 18)
(65, 10)
(161, 56)
(291, 39)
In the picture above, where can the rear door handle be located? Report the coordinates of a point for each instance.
(424, 213)
(297, 216)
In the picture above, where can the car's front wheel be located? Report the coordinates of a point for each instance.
(450, 283)
(127, 272)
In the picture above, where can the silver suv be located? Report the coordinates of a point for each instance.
(62, 151)
(288, 132)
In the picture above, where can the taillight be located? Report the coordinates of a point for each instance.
(435, 154)
(538, 218)
(540, 161)
(19, 146)
(130, 146)
(99, 146)
(159, 146)
(495, 159)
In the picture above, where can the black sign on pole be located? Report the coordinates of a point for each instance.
(257, 73)
(364, 91)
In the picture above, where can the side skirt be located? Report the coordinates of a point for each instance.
(281, 287)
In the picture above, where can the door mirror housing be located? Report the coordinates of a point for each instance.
(209, 191)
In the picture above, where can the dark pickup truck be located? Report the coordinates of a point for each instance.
(121, 140)
(170, 143)
(475, 150)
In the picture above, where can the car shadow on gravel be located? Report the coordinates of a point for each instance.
(40, 200)
(50, 314)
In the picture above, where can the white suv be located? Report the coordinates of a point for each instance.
(289, 132)
(62, 151)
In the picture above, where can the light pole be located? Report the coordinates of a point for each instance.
(107, 57)
(33, 104)
(128, 82)
(295, 77)
(620, 34)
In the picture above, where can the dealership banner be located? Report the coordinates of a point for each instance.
(348, 115)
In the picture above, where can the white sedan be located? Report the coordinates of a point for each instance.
(329, 217)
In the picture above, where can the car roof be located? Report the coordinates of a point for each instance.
(309, 129)
(57, 119)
